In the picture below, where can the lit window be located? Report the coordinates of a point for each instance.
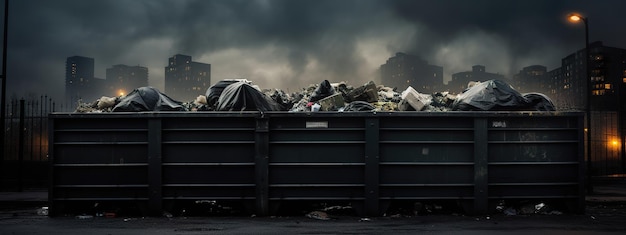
(607, 86)
(598, 92)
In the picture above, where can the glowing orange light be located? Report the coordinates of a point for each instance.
(121, 92)
(615, 142)
(574, 18)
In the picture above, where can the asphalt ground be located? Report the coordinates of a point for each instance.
(21, 213)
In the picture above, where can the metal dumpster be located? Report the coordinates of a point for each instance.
(155, 159)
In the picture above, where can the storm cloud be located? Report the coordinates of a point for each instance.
(289, 44)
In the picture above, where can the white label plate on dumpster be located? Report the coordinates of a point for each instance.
(501, 124)
(317, 124)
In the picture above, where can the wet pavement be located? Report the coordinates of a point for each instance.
(605, 213)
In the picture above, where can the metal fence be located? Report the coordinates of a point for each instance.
(607, 144)
(24, 164)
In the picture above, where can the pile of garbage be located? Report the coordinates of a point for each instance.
(242, 95)
(526, 208)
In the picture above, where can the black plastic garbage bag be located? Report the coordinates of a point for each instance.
(323, 90)
(359, 106)
(539, 102)
(282, 99)
(214, 92)
(147, 99)
(241, 96)
(491, 95)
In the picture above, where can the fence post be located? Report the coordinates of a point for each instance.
(21, 149)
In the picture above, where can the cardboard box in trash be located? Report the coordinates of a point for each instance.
(332, 103)
(367, 93)
(414, 99)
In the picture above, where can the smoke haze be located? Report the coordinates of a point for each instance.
(289, 44)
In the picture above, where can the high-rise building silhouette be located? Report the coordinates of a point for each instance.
(122, 79)
(534, 78)
(478, 74)
(570, 82)
(607, 70)
(80, 83)
(404, 70)
(608, 78)
(186, 79)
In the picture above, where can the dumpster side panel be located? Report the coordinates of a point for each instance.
(536, 157)
(368, 160)
(426, 158)
(98, 160)
(316, 158)
(208, 158)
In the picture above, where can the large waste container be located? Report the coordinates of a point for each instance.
(367, 159)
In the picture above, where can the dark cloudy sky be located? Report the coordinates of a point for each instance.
(289, 44)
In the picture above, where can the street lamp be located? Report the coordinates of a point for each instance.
(575, 18)
(3, 90)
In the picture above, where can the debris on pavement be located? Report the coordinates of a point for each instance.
(83, 217)
(318, 215)
(42, 211)
(526, 208)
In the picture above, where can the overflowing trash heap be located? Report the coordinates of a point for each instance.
(242, 95)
